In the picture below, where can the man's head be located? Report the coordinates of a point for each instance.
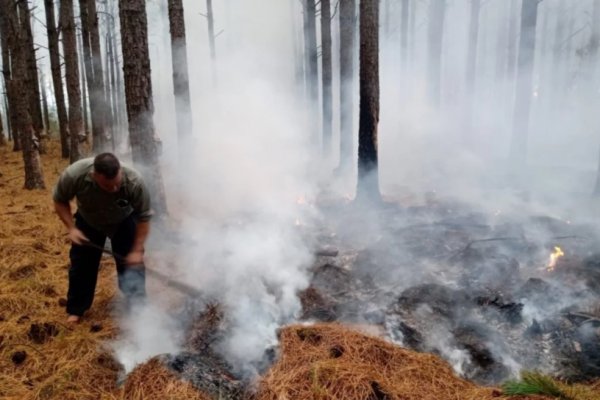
(107, 172)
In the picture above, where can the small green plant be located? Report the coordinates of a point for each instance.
(534, 383)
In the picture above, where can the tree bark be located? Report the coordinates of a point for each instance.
(347, 55)
(14, 33)
(57, 84)
(31, 77)
(10, 95)
(513, 34)
(518, 149)
(310, 52)
(211, 38)
(181, 84)
(45, 104)
(83, 85)
(368, 176)
(437, 10)
(2, 137)
(326, 76)
(93, 73)
(69, 41)
(138, 95)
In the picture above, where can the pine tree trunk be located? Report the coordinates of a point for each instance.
(513, 34)
(57, 84)
(518, 150)
(326, 76)
(310, 49)
(83, 86)
(31, 77)
(7, 114)
(116, 129)
(69, 42)
(14, 32)
(180, 75)
(368, 176)
(211, 38)
(2, 137)
(347, 54)
(10, 95)
(138, 95)
(437, 10)
(45, 104)
(93, 73)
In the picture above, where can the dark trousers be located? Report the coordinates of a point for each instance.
(85, 261)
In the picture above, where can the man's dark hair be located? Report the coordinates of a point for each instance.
(107, 164)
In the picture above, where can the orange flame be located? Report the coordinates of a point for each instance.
(556, 254)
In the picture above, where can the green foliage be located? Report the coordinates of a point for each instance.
(534, 383)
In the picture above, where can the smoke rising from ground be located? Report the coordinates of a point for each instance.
(237, 199)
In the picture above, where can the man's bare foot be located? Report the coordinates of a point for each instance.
(73, 319)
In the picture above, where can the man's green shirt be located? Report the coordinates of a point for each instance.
(103, 210)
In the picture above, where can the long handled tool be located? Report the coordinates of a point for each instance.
(179, 286)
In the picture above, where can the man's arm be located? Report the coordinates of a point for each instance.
(64, 213)
(136, 255)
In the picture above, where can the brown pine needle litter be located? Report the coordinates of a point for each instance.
(43, 358)
(334, 362)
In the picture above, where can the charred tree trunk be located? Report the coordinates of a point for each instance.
(180, 74)
(31, 77)
(57, 83)
(10, 95)
(138, 94)
(437, 10)
(368, 176)
(93, 72)
(69, 42)
(347, 55)
(310, 52)
(326, 76)
(14, 32)
(518, 149)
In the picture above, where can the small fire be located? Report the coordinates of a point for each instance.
(556, 254)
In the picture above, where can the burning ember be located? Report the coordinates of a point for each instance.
(556, 254)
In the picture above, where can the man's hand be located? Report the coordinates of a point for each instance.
(135, 257)
(77, 237)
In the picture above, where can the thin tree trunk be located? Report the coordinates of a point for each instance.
(502, 42)
(326, 76)
(7, 114)
(138, 93)
(211, 38)
(113, 89)
(84, 87)
(180, 76)
(368, 176)
(513, 34)
(310, 47)
(437, 10)
(412, 29)
(93, 73)
(518, 150)
(2, 137)
(10, 95)
(31, 77)
(347, 55)
(14, 34)
(57, 84)
(45, 104)
(69, 42)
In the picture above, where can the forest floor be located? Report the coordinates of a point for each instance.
(41, 357)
